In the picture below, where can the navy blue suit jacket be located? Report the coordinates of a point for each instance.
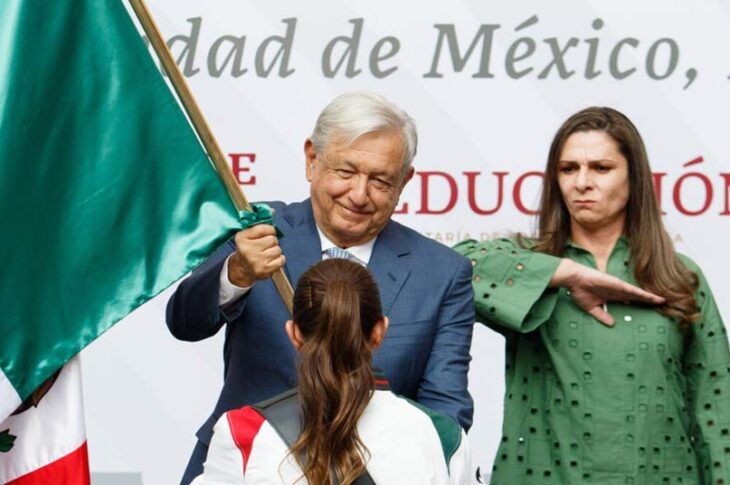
(425, 290)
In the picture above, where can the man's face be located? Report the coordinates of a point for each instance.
(355, 187)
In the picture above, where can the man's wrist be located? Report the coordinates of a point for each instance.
(236, 275)
(229, 291)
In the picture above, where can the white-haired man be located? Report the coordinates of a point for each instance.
(358, 160)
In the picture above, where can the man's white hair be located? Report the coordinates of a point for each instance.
(351, 115)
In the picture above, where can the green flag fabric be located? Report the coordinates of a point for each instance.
(106, 196)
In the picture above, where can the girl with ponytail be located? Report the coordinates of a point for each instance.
(339, 322)
(351, 428)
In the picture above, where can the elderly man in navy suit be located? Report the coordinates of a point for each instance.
(358, 160)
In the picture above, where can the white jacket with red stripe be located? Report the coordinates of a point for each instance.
(408, 444)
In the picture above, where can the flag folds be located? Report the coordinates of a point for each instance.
(106, 196)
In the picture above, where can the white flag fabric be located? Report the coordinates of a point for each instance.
(45, 443)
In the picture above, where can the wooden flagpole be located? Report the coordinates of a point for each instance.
(283, 286)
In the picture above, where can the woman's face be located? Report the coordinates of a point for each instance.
(593, 177)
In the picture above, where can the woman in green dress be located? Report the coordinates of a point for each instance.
(627, 393)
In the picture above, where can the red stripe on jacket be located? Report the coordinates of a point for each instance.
(245, 424)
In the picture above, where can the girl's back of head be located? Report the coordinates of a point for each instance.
(338, 321)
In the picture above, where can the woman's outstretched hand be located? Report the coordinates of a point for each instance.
(591, 289)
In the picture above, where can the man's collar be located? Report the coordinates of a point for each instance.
(362, 252)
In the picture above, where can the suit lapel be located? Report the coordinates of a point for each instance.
(300, 243)
(302, 249)
(388, 263)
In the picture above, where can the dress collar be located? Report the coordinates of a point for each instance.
(621, 243)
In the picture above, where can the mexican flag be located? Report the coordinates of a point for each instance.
(44, 442)
(106, 196)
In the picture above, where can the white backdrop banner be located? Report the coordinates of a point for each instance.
(488, 84)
